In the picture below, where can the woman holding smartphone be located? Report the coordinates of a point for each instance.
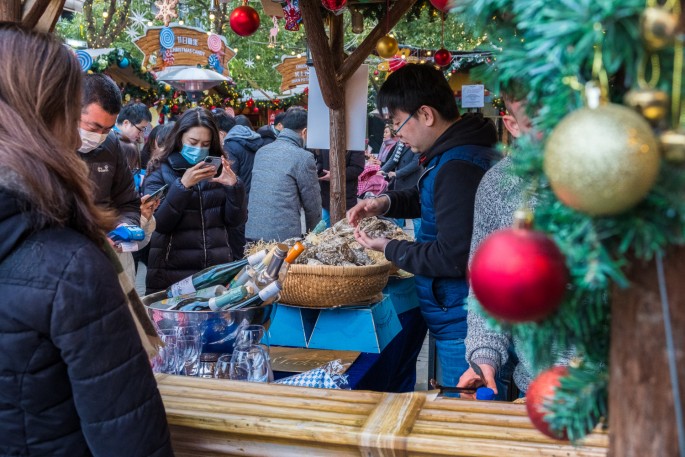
(200, 206)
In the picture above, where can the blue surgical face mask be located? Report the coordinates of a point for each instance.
(193, 154)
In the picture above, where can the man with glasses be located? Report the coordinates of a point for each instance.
(101, 150)
(456, 151)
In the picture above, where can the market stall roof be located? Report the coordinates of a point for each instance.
(120, 75)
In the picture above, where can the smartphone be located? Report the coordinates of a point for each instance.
(159, 193)
(216, 161)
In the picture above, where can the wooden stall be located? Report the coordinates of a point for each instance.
(213, 417)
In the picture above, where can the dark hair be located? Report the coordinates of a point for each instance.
(412, 86)
(244, 121)
(40, 105)
(224, 121)
(194, 117)
(279, 118)
(135, 113)
(101, 90)
(295, 118)
(155, 141)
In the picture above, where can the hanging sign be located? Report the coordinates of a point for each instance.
(294, 71)
(187, 45)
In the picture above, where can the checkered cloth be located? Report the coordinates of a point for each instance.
(328, 376)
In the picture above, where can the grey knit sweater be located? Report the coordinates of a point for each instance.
(499, 195)
(283, 181)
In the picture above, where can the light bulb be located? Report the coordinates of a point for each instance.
(105, 14)
(180, 22)
(212, 16)
(259, 57)
(149, 23)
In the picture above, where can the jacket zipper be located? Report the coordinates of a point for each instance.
(168, 248)
(424, 174)
(202, 220)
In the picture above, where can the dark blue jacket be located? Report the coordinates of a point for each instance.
(192, 224)
(241, 145)
(74, 378)
(444, 200)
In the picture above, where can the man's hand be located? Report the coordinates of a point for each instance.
(198, 172)
(470, 379)
(375, 244)
(227, 176)
(392, 174)
(367, 208)
(326, 176)
(147, 206)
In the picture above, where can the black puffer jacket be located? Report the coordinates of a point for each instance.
(74, 378)
(192, 224)
(241, 145)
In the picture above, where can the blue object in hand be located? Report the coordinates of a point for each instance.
(126, 232)
(485, 393)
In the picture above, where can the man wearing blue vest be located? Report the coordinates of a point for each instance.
(456, 151)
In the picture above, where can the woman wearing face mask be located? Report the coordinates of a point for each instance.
(194, 217)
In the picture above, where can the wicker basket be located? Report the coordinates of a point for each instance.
(328, 286)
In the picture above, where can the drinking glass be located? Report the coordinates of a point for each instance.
(223, 367)
(257, 335)
(166, 361)
(250, 363)
(189, 347)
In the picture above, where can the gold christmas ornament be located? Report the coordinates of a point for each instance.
(602, 161)
(387, 47)
(673, 145)
(658, 27)
(652, 104)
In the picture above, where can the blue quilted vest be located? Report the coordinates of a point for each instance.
(442, 299)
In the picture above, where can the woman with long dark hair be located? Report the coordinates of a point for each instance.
(75, 378)
(200, 206)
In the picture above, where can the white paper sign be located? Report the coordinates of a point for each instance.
(473, 96)
(318, 119)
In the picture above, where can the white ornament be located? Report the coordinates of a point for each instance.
(132, 33)
(138, 19)
(249, 63)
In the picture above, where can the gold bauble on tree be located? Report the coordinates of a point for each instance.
(387, 47)
(652, 104)
(602, 161)
(673, 145)
(658, 27)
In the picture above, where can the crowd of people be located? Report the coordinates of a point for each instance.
(77, 164)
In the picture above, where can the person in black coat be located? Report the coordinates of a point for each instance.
(75, 379)
(354, 165)
(269, 132)
(194, 219)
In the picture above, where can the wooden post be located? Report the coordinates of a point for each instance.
(10, 10)
(641, 406)
(333, 69)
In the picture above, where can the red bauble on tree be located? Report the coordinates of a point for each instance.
(334, 6)
(441, 5)
(519, 274)
(539, 391)
(442, 57)
(244, 20)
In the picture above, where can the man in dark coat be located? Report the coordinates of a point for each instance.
(101, 151)
(270, 131)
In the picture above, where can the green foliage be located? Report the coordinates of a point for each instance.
(549, 46)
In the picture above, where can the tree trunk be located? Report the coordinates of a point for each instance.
(337, 162)
(641, 405)
(10, 10)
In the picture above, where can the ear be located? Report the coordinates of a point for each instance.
(512, 125)
(304, 134)
(427, 116)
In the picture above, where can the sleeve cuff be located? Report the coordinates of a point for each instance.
(486, 356)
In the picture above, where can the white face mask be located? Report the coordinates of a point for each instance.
(90, 140)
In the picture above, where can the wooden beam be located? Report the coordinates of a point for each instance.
(10, 10)
(321, 53)
(385, 24)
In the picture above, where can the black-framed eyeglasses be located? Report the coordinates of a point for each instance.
(138, 128)
(395, 132)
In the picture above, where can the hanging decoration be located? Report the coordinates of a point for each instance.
(442, 57)
(84, 59)
(541, 392)
(214, 42)
(387, 47)
(293, 16)
(334, 6)
(273, 32)
(519, 274)
(602, 161)
(138, 20)
(168, 57)
(244, 20)
(167, 38)
(658, 26)
(123, 62)
(166, 11)
(441, 5)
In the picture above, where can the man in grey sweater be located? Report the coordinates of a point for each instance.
(499, 195)
(283, 181)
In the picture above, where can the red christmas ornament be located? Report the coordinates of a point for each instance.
(244, 20)
(249, 103)
(334, 5)
(442, 57)
(441, 5)
(174, 109)
(255, 110)
(519, 275)
(539, 391)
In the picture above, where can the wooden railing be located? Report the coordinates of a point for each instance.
(211, 417)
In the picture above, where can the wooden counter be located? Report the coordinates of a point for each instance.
(211, 417)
